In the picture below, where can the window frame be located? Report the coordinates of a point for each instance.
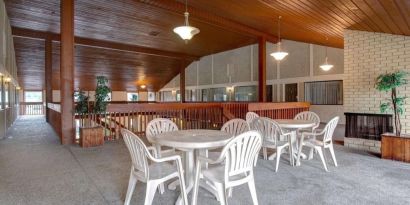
(323, 81)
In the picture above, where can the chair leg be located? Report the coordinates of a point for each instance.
(161, 189)
(265, 153)
(320, 152)
(252, 189)
(131, 186)
(150, 193)
(332, 152)
(230, 192)
(278, 153)
(311, 153)
(221, 193)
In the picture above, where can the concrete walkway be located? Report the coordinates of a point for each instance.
(36, 169)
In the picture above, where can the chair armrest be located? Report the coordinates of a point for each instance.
(167, 159)
(153, 150)
(314, 133)
(210, 161)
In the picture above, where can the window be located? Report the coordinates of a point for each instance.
(245, 93)
(132, 96)
(324, 92)
(33, 96)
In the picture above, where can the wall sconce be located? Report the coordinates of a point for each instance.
(230, 89)
(18, 88)
(7, 80)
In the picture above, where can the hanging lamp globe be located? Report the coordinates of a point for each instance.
(186, 32)
(326, 66)
(279, 55)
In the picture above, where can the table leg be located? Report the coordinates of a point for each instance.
(189, 166)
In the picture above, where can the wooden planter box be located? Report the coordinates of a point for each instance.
(396, 147)
(91, 136)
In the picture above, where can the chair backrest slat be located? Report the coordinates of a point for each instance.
(235, 127)
(329, 129)
(138, 152)
(160, 125)
(250, 116)
(240, 154)
(308, 115)
(269, 129)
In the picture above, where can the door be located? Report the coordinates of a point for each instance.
(291, 92)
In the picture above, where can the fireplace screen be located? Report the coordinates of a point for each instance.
(367, 126)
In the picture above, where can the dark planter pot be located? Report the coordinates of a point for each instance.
(396, 147)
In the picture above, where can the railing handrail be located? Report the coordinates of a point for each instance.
(277, 106)
(31, 103)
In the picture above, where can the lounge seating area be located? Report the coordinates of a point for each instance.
(100, 175)
(184, 102)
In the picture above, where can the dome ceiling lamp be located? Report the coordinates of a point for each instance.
(326, 66)
(279, 54)
(186, 32)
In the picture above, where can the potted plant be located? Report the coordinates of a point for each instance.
(390, 82)
(93, 134)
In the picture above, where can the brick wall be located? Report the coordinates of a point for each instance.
(367, 55)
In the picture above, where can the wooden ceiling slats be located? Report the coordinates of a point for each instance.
(356, 19)
(396, 16)
(113, 35)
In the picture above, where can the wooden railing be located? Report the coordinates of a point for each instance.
(32, 108)
(54, 117)
(135, 117)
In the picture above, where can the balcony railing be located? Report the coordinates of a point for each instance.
(32, 108)
(135, 116)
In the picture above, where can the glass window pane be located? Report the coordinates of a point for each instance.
(31, 96)
(132, 97)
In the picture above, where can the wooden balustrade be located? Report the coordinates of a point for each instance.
(32, 108)
(136, 116)
(54, 117)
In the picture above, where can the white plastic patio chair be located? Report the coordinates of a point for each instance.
(311, 116)
(158, 126)
(250, 116)
(309, 140)
(152, 174)
(272, 135)
(235, 127)
(233, 167)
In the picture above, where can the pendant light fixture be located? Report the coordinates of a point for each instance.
(279, 54)
(186, 32)
(326, 66)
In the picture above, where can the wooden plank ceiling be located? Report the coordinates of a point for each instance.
(224, 25)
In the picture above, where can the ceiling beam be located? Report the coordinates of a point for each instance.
(28, 33)
(206, 17)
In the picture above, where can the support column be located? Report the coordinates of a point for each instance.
(67, 71)
(182, 82)
(48, 72)
(262, 69)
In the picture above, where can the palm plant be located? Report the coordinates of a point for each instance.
(101, 95)
(81, 106)
(389, 82)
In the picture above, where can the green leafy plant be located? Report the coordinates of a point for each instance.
(101, 95)
(389, 82)
(81, 106)
(134, 97)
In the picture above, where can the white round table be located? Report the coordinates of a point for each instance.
(293, 125)
(189, 141)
